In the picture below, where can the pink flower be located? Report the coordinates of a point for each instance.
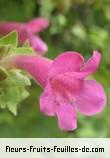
(66, 89)
(27, 31)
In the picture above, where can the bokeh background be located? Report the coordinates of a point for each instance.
(79, 25)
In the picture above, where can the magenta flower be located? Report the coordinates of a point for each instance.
(66, 89)
(27, 31)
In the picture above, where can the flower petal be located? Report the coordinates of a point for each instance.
(26, 33)
(47, 102)
(37, 66)
(66, 62)
(39, 45)
(23, 32)
(66, 117)
(6, 27)
(89, 67)
(92, 98)
(37, 24)
(92, 64)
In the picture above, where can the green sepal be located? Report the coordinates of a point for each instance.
(10, 39)
(5, 50)
(3, 73)
(26, 44)
(23, 51)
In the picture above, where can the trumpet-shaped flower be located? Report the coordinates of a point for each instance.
(66, 89)
(27, 31)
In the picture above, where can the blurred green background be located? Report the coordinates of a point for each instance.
(79, 25)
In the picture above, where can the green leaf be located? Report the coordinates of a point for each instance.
(11, 97)
(10, 39)
(15, 78)
(13, 91)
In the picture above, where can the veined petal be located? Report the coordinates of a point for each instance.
(92, 98)
(38, 44)
(66, 85)
(47, 101)
(66, 117)
(37, 24)
(66, 62)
